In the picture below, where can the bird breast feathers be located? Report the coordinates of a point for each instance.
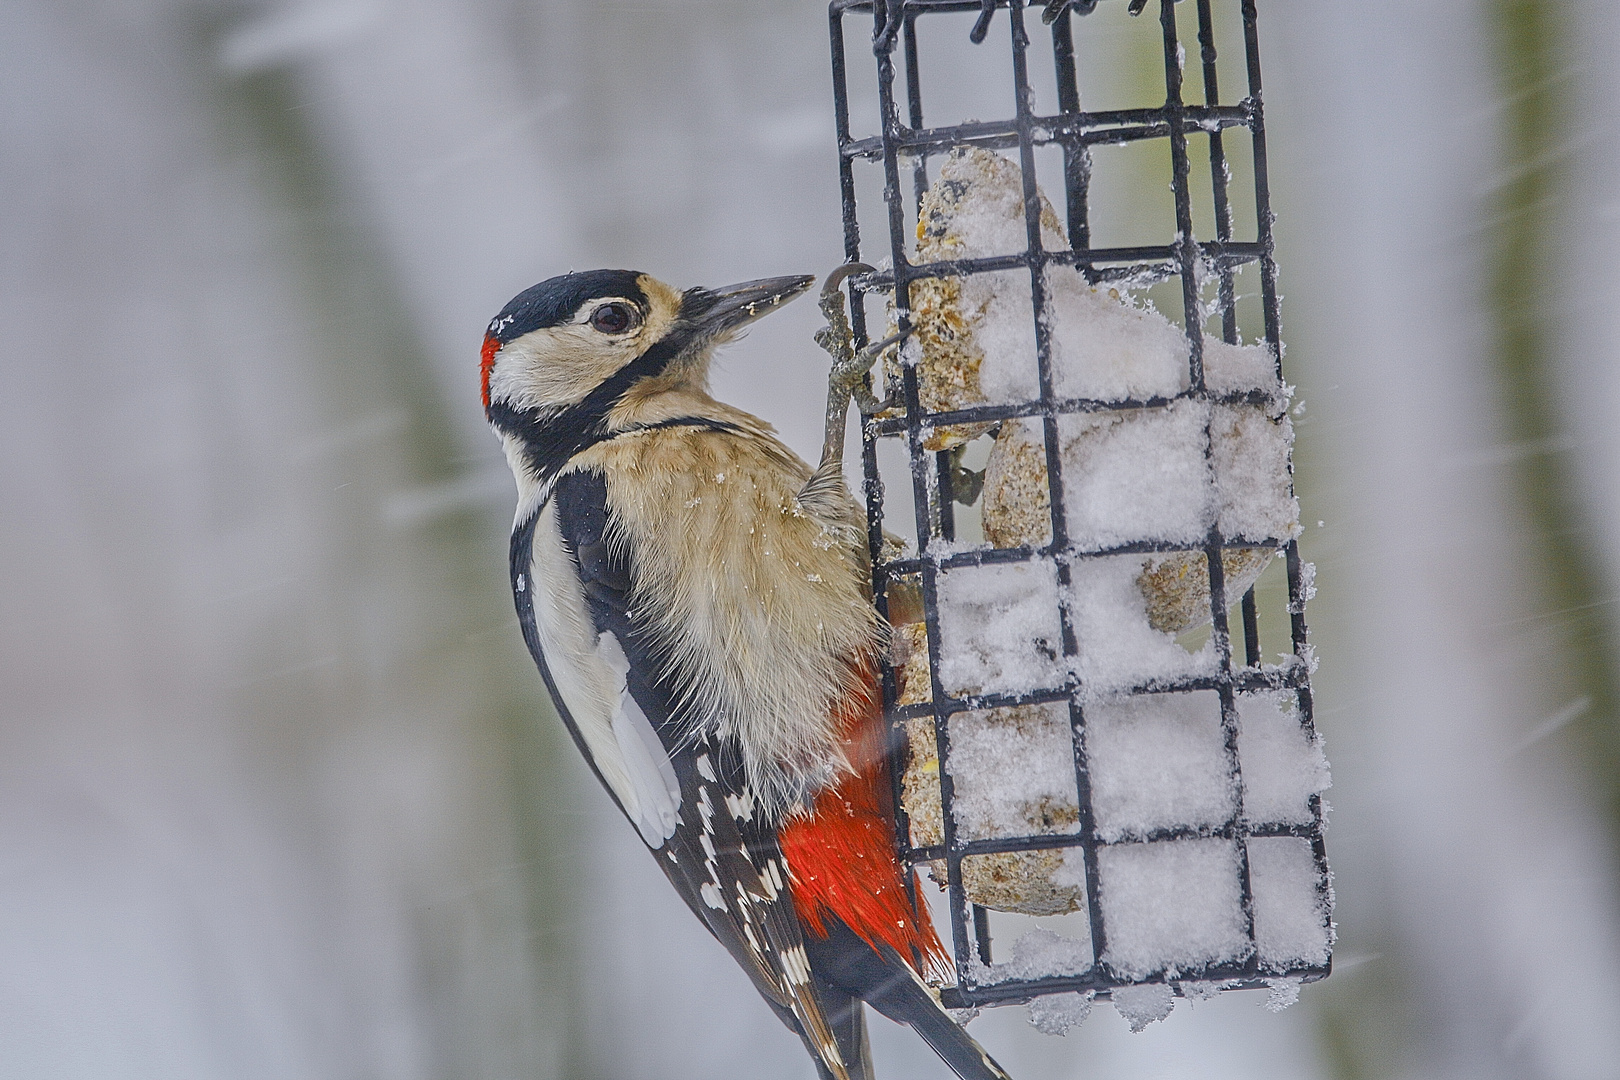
(759, 604)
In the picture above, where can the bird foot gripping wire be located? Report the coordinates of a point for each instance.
(849, 368)
(966, 483)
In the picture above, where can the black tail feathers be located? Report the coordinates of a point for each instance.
(847, 968)
(910, 1001)
(847, 1018)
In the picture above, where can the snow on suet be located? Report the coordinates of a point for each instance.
(1152, 464)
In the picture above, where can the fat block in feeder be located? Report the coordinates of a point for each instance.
(1130, 475)
(1137, 485)
(973, 337)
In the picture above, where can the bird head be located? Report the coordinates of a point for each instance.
(596, 334)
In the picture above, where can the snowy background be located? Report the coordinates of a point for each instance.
(279, 796)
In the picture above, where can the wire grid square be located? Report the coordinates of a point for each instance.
(1191, 258)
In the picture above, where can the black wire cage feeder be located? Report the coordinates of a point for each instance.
(1182, 869)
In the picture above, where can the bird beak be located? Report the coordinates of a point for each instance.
(716, 312)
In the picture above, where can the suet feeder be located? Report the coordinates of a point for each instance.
(1119, 803)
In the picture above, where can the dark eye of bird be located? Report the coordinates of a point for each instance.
(613, 318)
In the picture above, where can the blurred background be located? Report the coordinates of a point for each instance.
(279, 792)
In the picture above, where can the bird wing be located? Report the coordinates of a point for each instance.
(720, 855)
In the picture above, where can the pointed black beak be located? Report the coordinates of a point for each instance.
(716, 312)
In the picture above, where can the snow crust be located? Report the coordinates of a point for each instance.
(1117, 648)
(1171, 906)
(1283, 764)
(1290, 921)
(1281, 993)
(1204, 991)
(1014, 773)
(1136, 475)
(1104, 346)
(1250, 453)
(1055, 1014)
(999, 628)
(1307, 587)
(1158, 761)
(1038, 954)
(1142, 1005)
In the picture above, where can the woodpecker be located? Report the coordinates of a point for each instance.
(697, 600)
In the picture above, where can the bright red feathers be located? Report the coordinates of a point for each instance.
(487, 365)
(842, 858)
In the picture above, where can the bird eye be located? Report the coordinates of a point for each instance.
(614, 318)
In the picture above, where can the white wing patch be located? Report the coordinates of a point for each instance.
(569, 643)
(593, 691)
(652, 776)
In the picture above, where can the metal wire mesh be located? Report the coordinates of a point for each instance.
(907, 145)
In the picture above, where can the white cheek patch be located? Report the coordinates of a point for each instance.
(556, 366)
(658, 793)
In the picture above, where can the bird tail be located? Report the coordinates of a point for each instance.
(841, 855)
(908, 1000)
(846, 1016)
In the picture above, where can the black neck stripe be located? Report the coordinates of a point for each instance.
(681, 421)
(552, 439)
(550, 444)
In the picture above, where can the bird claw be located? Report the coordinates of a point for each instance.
(966, 483)
(836, 337)
(849, 368)
(848, 377)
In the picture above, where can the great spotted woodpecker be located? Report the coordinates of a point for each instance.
(696, 598)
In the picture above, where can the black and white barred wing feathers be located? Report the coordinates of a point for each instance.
(685, 794)
(741, 887)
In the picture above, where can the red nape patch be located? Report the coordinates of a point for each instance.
(487, 365)
(841, 855)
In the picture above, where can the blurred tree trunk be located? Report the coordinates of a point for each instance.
(275, 802)
(1531, 220)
